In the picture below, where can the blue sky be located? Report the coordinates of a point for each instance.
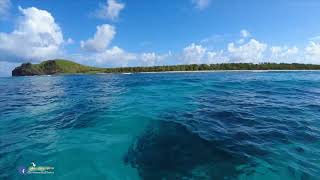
(111, 33)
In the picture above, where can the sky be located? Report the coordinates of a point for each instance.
(120, 33)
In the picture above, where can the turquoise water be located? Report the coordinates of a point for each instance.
(219, 125)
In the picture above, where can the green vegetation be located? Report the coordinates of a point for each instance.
(217, 67)
(57, 66)
(64, 66)
(68, 67)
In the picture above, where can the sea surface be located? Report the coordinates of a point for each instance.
(215, 125)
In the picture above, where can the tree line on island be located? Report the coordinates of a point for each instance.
(69, 67)
(217, 67)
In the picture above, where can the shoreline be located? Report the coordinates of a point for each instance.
(215, 71)
(172, 72)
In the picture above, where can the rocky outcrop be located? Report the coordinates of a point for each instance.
(28, 69)
(24, 70)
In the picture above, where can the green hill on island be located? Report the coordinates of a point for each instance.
(60, 66)
(57, 66)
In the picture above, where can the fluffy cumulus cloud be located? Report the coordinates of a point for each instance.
(284, 54)
(197, 54)
(244, 35)
(101, 40)
(37, 36)
(193, 54)
(98, 52)
(154, 59)
(118, 57)
(251, 51)
(4, 8)
(114, 57)
(149, 58)
(110, 10)
(201, 4)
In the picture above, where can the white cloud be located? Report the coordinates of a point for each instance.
(284, 54)
(201, 4)
(110, 10)
(154, 59)
(241, 41)
(197, 54)
(212, 39)
(101, 40)
(114, 57)
(216, 57)
(69, 41)
(312, 53)
(244, 33)
(100, 55)
(193, 54)
(149, 58)
(37, 36)
(248, 50)
(4, 8)
(117, 57)
(251, 51)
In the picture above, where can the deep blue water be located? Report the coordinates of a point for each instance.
(219, 125)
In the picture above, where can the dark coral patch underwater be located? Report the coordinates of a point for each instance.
(168, 150)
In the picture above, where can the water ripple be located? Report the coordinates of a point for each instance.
(240, 125)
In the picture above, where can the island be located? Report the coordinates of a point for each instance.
(60, 66)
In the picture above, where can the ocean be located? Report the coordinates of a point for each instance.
(213, 125)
